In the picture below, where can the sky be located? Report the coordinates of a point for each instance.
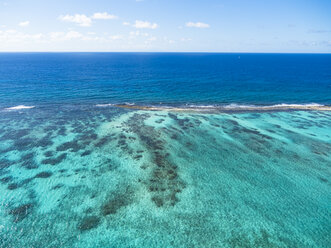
(280, 26)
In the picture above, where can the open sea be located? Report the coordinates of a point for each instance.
(165, 150)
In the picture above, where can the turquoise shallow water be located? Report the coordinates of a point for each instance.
(112, 177)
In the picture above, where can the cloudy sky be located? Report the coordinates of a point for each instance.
(166, 25)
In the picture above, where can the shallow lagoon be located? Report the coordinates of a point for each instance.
(111, 177)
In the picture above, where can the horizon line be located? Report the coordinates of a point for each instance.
(198, 52)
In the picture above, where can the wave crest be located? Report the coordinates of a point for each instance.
(104, 105)
(19, 107)
(231, 107)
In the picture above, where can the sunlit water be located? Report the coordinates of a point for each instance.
(206, 150)
(113, 177)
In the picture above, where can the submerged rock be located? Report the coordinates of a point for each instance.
(72, 146)
(89, 223)
(44, 174)
(56, 160)
(13, 186)
(117, 201)
(6, 179)
(86, 153)
(22, 211)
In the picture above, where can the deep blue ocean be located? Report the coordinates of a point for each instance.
(117, 150)
(170, 79)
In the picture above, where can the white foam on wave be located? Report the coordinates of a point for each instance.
(104, 105)
(298, 105)
(202, 106)
(19, 107)
(275, 106)
(238, 106)
(112, 104)
(231, 107)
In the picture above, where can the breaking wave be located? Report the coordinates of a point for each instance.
(19, 107)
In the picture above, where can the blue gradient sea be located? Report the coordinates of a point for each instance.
(165, 150)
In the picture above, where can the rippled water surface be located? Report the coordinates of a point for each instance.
(84, 176)
(165, 150)
(164, 78)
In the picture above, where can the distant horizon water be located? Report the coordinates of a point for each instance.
(175, 79)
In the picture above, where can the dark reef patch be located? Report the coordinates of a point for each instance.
(23, 144)
(28, 161)
(86, 153)
(164, 182)
(233, 122)
(184, 123)
(159, 121)
(158, 201)
(62, 131)
(322, 179)
(88, 223)
(27, 156)
(49, 129)
(44, 174)
(25, 181)
(15, 134)
(261, 238)
(5, 163)
(29, 164)
(103, 141)
(89, 136)
(250, 137)
(48, 154)
(22, 211)
(138, 157)
(72, 146)
(116, 201)
(56, 160)
(45, 142)
(58, 186)
(13, 186)
(6, 179)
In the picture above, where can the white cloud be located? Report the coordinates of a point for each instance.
(86, 21)
(24, 24)
(152, 38)
(143, 24)
(13, 36)
(185, 39)
(138, 33)
(116, 37)
(126, 23)
(103, 16)
(197, 25)
(62, 36)
(73, 35)
(81, 20)
(56, 35)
